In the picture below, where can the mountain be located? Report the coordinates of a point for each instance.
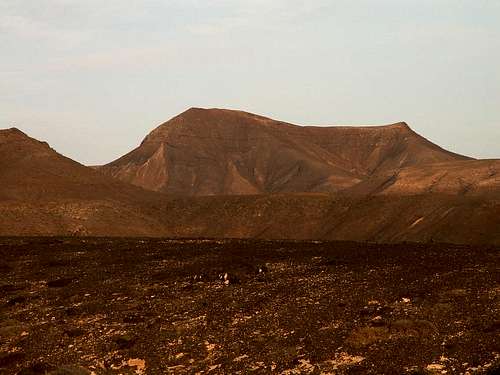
(218, 151)
(43, 192)
(233, 174)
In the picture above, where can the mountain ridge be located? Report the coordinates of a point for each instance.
(391, 186)
(248, 154)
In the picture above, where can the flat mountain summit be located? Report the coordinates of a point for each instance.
(224, 152)
(230, 174)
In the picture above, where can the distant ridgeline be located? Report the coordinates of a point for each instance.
(223, 173)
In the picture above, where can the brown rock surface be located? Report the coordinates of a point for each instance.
(43, 192)
(466, 177)
(217, 151)
(382, 184)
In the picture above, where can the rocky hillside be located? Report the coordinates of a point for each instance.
(431, 196)
(43, 192)
(216, 151)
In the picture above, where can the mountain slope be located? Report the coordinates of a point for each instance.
(43, 192)
(216, 151)
(382, 218)
(467, 177)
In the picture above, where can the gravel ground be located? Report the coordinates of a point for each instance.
(157, 306)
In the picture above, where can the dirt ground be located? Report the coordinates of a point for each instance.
(157, 306)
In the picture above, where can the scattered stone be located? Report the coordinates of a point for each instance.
(198, 278)
(262, 269)
(378, 321)
(415, 370)
(304, 367)
(179, 355)
(240, 358)
(209, 346)
(435, 368)
(139, 364)
(228, 278)
(304, 314)
(341, 360)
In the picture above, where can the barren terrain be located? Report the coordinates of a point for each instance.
(217, 173)
(144, 306)
(223, 152)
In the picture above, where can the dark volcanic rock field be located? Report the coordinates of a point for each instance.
(132, 306)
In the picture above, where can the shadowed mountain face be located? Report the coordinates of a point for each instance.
(215, 151)
(381, 218)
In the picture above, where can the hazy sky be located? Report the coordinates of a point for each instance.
(93, 77)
